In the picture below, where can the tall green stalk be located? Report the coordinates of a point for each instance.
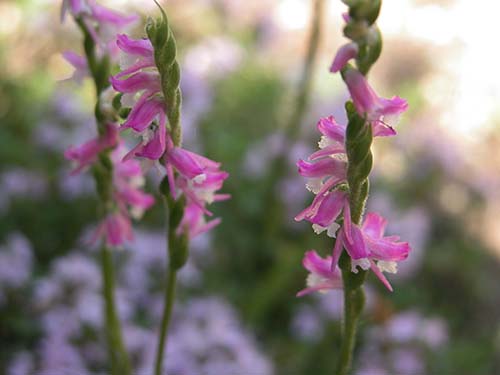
(358, 142)
(165, 54)
(362, 30)
(103, 175)
(165, 322)
(177, 251)
(120, 363)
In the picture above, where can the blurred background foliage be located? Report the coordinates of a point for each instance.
(437, 183)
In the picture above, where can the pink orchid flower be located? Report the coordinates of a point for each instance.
(322, 277)
(115, 229)
(128, 180)
(87, 153)
(367, 246)
(328, 165)
(193, 222)
(382, 113)
(199, 177)
(324, 211)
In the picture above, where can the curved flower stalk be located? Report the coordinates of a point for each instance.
(150, 94)
(118, 182)
(338, 175)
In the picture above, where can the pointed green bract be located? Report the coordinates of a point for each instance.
(165, 54)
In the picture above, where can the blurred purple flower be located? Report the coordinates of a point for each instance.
(21, 364)
(307, 324)
(16, 262)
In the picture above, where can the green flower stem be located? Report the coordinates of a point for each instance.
(359, 138)
(358, 142)
(103, 176)
(165, 54)
(354, 299)
(167, 313)
(177, 254)
(120, 364)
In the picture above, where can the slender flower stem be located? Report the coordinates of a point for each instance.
(120, 364)
(177, 253)
(167, 313)
(354, 300)
(165, 51)
(358, 144)
(99, 70)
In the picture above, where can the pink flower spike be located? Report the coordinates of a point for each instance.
(321, 276)
(344, 54)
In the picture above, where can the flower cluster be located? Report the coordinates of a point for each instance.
(127, 179)
(193, 175)
(66, 304)
(118, 182)
(327, 174)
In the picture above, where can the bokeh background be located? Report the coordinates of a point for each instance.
(438, 183)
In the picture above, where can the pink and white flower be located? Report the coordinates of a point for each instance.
(193, 221)
(86, 154)
(199, 178)
(328, 165)
(324, 211)
(322, 277)
(115, 229)
(367, 246)
(128, 179)
(140, 78)
(381, 112)
(193, 175)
